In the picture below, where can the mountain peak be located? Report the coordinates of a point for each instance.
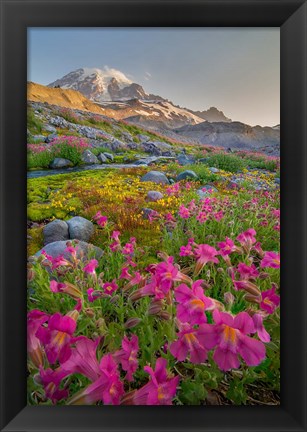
(94, 83)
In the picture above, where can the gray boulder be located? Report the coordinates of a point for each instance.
(49, 128)
(206, 190)
(143, 138)
(277, 180)
(183, 159)
(50, 137)
(155, 177)
(80, 228)
(89, 158)
(154, 196)
(38, 138)
(214, 170)
(102, 158)
(55, 231)
(57, 248)
(60, 163)
(109, 156)
(187, 174)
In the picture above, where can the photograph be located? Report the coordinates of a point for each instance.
(153, 216)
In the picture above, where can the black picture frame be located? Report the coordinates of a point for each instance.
(16, 16)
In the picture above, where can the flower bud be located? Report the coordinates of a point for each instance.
(251, 298)
(155, 307)
(89, 312)
(132, 322)
(164, 315)
(229, 298)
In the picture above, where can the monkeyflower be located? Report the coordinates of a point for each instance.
(167, 273)
(128, 249)
(51, 381)
(83, 358)
(269, 300)
(56, 262)
(201, 217)
(34, 321)
(127, 356)
(125, 274)
(90, 267)
(137, 279)
(110, 287)
(247, 238)
(100, 219)
(67, 288)
(218, 215)
(270, 259)
(184, 212)
(204, 254)
(93, 295)
(160, 390)
(72, 250)
(227, 247)
(231, 340)
(259, 327)
(192, 303)
(247, 272)
(193, 343)
(56, 337)
(115, 235)
(108, 388)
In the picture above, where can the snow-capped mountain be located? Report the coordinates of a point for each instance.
(101, 85)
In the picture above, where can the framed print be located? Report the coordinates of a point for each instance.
(144, 148)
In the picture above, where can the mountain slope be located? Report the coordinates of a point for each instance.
(234, 134)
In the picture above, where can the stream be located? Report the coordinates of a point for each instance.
(48, 172)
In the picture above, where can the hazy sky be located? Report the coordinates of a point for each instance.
(236, 70)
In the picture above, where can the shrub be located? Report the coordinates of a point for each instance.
(227, 162)
(69, 147)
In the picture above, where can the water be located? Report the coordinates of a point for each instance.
(44, 173)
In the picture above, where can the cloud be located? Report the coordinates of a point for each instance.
(147, 76)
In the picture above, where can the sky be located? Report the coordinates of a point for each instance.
(237, 70)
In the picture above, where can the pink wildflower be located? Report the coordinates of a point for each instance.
(91, 266)
(100, 219)
(184, 213)
(227, 247)
(259, 327)
(270, 259)
(204, 254)
(201, 217)
(108, 388)
(160, 390)
(269, 300)
(110, 287)
(56, 337)
(232, 340)
(192, 342)
(83, 359)
(67, 288)
(247, 238)
(35, 319)
(192, 303)
(127, 356)
(93, 295)
(51, 381)
(247, 272)
(128, 249)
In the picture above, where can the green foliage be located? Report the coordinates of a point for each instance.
(39, 160)
(34, 125)
(227, 162)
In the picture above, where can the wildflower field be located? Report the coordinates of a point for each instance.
(182, 307)
(176, 299)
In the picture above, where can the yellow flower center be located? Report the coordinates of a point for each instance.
(197, 304)
(230, 334)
